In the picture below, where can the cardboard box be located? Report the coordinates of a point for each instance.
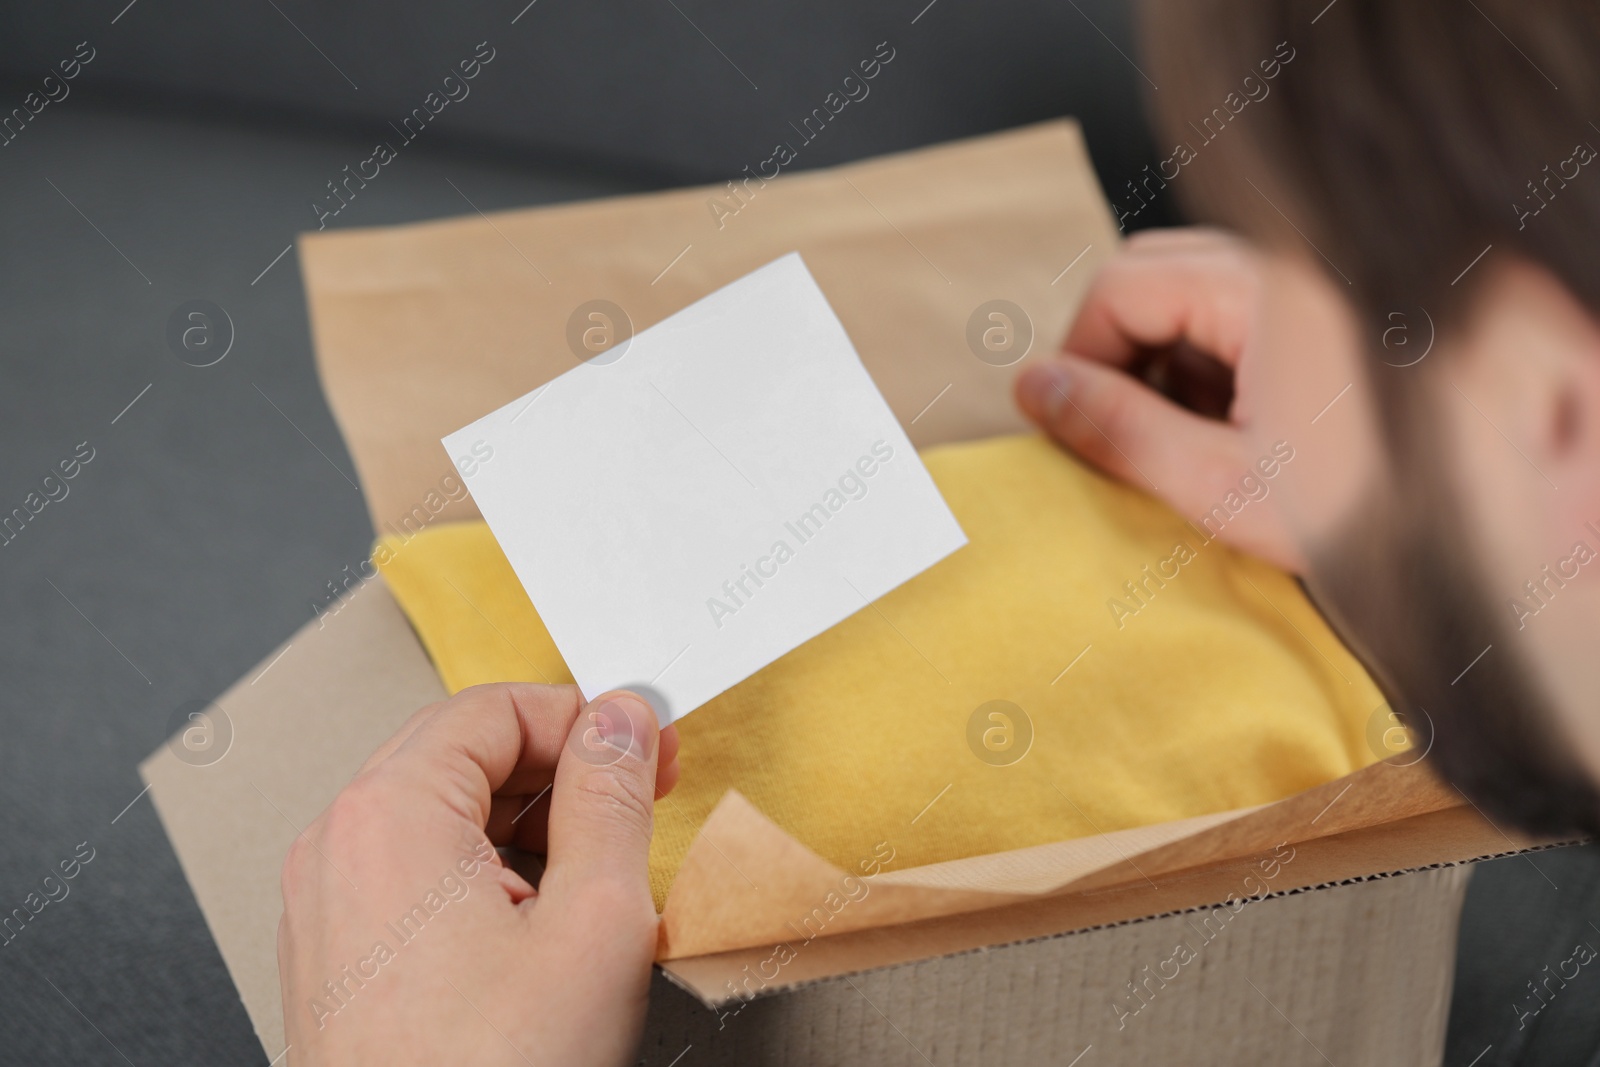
(1358, 973)
(1318, 928)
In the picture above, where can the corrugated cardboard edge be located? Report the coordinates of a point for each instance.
(717, 906)
(1446, 838)
(1354, 973)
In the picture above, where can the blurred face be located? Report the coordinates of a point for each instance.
(1462, 568)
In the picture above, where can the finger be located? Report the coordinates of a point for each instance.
(667, 763)
(408, 728)
(1127, 429)
(602, 806)
(1197, 465)
(521, 820)
(484, 740)
(1158, 293)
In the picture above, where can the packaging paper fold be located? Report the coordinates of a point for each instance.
(746, 883)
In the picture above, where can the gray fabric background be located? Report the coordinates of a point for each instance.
(220, 504)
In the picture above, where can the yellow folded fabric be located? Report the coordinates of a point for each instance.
(1209, 683)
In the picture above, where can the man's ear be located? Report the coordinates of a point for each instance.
(1518, 385)
(1527, 370)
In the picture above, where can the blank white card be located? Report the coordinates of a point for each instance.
(729, 487)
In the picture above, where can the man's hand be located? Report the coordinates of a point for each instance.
(405, 940)
(1168, 296)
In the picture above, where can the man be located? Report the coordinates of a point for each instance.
(1416, 315)
(1419, 322)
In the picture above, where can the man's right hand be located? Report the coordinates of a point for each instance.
(1167, 290)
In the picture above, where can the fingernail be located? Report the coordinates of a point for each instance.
(612, 725)
(620, 719)
(1043, 389)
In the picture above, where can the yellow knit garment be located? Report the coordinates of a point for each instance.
(1217, 687)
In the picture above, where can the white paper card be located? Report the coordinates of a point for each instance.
(729, 487)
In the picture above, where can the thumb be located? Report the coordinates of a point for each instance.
(602, 806)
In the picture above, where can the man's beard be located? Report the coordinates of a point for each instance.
(1400, 585)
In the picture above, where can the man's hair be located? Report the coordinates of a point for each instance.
(1403, 142)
